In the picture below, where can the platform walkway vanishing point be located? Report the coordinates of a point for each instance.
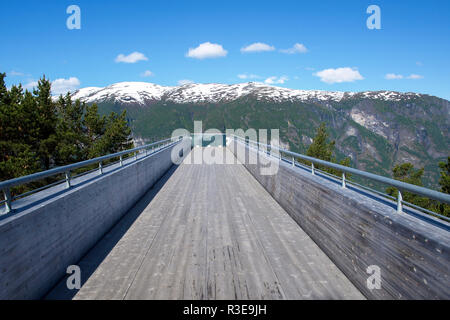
(207, 232)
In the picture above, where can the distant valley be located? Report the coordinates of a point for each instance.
(375, 129)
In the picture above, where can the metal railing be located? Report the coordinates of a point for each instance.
(401, 186)
(66, 170)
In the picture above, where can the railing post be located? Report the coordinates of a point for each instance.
(135, 156)
(100, 168)
(343, 180)
(293, 161)
(399, 202)
(8, 200)
(312, 168)
(121, 161)
(67, 179)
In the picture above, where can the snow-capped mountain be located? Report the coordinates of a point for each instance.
(123, 92)
(142, 93)
(376, 129)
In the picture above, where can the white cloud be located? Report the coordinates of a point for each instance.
(276, 80)
(30, 85)
(147, 73)
(393, 76)
(419, 63)
(207, 50)
(131, 58)
(257, 47)
(339, 75)
(248, 76)
(415, 76)
(184, 81)
(297, 48)
(15, 74)
(62, 86)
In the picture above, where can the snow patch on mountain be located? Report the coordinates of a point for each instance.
(141, 93)
(123, 92)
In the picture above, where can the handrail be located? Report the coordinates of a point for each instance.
(436, 195)
(8, 184)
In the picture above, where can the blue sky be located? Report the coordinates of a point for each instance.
(341, 52)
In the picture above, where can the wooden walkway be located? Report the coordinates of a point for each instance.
(208, 232)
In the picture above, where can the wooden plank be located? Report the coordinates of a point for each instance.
(213, 232)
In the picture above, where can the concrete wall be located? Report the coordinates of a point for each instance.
(356, 232)
(38, 244)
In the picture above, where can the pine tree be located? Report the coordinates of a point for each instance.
(47, 120)
(444, 181)
(94, 129)
(115, 137)
(3, 90)
(17, 132)
(37, 134)
(407, 173)
(69, 130)
(321, 149)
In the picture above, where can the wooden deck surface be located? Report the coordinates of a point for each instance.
(208, 232)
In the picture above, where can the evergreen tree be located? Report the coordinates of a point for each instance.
(118, 132)
(17, 132)
(407, 173)
(94, 129)
(47, 119)
(3, 90)
(444, 181)
(115, 137)
(37, 133)
(69, 130)
(320, 148)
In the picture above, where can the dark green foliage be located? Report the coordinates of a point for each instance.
(37, 134)
(444, 181)
(112, 134)
(46, 120)
(407, 173)
(298, 120)
(322, 149)
(18, 132)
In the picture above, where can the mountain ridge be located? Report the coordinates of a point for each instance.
(142, 92)
(376, 129)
